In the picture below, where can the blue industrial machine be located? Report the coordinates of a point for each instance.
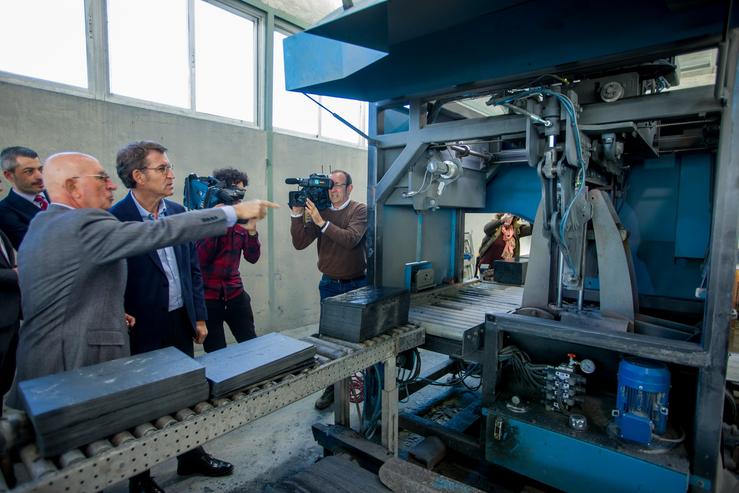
(642, 399)
(560, 113)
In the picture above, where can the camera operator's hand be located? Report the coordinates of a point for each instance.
(314, 214)
(253, 209)
(298, 210)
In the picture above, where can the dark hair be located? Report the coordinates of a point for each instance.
(346, 175)
(133, 157)
(9, 156)
(230, 176)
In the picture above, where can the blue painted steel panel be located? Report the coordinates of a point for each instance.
(578, 466)
(310, 59)
(694, 205)
(396, 120)
(516, 188)
(649, 211)
(577, 32)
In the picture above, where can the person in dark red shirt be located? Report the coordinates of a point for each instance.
(225, 297)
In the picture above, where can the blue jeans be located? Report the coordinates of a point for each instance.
(333, 287)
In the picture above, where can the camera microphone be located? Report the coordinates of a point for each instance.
(292, 181)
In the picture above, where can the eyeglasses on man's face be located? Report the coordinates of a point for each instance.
(101, 177)
(339, 185)
(163, 169)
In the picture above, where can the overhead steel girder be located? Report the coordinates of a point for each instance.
(694, 101)
(672, 104)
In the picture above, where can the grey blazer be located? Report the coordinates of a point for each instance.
(72, 275)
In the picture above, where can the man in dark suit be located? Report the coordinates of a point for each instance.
(22, 168)
(72, 294)
(164, 291)
(10, 307)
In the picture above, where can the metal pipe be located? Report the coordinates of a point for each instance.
(510, 156)
(535, 118)
(581, 291)
(559, 280)
(464, 151)
(419, 238)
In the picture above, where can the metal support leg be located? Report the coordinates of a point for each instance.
(490, 360)
(390, 408)
(617, 291)
(341, 402)
(536, 287)
(711, 380)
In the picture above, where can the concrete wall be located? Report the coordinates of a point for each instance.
(51, 122)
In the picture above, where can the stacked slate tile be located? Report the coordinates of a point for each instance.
(364, 313)
(240, 365)
(76, 407)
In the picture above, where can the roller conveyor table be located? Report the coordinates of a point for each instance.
(105, 462)
(454, 316)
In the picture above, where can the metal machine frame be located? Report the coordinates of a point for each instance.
(395, 153)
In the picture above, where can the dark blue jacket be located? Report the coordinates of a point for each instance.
(147, 290)
(15, 215)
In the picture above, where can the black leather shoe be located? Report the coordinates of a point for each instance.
(326, 399)
(205, 465)
(143, 485)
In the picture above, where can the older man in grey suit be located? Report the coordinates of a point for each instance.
(72, 293)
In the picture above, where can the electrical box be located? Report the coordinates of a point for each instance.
(419, 276)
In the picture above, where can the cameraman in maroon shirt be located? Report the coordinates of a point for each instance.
(225, 297)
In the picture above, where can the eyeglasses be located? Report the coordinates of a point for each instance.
(340, 184)
(103, 177)
(163, 169)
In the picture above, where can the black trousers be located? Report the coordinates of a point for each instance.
(179, 334)
(237, 313)
(8, 347)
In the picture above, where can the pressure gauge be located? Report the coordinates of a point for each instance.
(587, 366)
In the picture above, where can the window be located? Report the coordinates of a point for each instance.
(352, 111)
(149, 56)
(148, 53)
(293, 111)
(47, 39)
(290, 110)
(225, 63)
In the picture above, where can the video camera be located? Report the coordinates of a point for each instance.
(204, 192)
(315, 188)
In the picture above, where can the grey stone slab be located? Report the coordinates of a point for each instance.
(58, 441)
(364, 313)
(510, 271)
(240, 365)
(58, 400)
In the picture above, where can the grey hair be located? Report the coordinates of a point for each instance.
(9, 156)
